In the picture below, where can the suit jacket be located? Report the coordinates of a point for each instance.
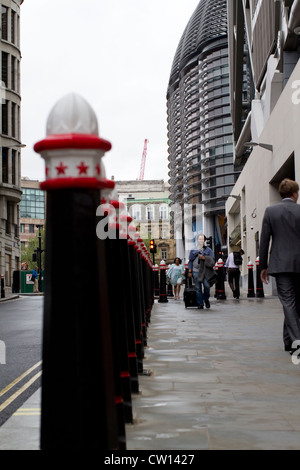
(281, 227)
(194, 254)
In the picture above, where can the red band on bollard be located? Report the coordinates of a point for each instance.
(70, 183)
(118, 400)
(132, 355)
(124, 374)
(72, 141)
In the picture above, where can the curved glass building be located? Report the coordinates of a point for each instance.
(200, 143)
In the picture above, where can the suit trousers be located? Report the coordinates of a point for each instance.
(234, 281)
(288, 289)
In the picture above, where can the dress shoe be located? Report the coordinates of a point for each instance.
(207, 304)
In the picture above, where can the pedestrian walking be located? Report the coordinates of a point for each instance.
(175, 276)
(34, 278)
(232, 265)
(200, 266)
(281, 226)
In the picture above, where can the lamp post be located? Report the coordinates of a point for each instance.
(39, 252)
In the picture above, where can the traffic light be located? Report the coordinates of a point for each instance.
(209, 242)
(152, 246)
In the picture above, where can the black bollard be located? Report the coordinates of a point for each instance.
(148, 283)
(2, 287)
(138, 248)
(156, 281)
(250, 280)
(118, 255)
(162, 283)
(108, 232)
(137, 301)
(220, 284)
(78, 391)
(259, 284)
(129, 301)
(216, 284)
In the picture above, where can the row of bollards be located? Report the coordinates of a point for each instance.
(163, 291)
(99, 291)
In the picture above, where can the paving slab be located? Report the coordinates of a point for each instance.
(220, 380)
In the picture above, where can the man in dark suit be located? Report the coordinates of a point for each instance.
(281, 224)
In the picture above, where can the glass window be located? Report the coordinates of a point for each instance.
(32, 204)
(9, 216)
(13, 26)
(5, 165)
(163, 212)
(4, 68)
(136, 212)
(13, 166)
(13, 73)
(4, 17)
(4, 117)
(150, 213)
(13, 119)
(31, 228)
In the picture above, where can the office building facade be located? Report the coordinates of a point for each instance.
(148, 203)
(10, 139)
(200, 143)
(32, 210)
(266, 136)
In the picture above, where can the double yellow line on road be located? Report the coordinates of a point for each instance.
(23, 388)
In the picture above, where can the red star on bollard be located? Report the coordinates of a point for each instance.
(61, 169)
(82, 168)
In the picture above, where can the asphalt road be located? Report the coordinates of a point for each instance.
(20, 352)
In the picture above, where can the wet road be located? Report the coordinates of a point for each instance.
(20, 352)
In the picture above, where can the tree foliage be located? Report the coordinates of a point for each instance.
(33, 244)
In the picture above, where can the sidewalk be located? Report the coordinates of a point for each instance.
(219, 380)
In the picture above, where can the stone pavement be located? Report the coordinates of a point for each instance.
(220, 379)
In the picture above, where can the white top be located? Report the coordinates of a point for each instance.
(230, 262)
(72, 114)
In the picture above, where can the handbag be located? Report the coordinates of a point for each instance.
(213, 279)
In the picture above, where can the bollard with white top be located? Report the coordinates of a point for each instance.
(251, 292)
(137, 297)
(220, 284)
(156, 280)
(162, 283)
(78, 389)
(259, 284)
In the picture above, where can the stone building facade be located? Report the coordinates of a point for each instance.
(10, 139)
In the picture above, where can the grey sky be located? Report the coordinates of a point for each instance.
(117, 54)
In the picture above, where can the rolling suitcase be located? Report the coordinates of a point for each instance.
(189, 295)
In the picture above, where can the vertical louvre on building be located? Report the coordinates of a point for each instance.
(264, 39)
(199, 119)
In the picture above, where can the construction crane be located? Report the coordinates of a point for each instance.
(143, 162)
